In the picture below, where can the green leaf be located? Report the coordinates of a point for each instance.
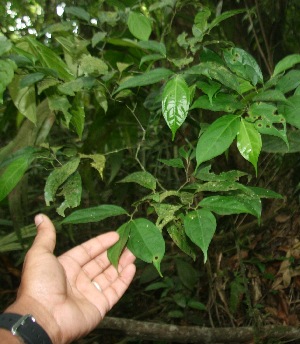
(213, 70)
(165, 212)
(289, 81)
(57, 177)
(23, 98)
(78, 117)
(224, 16)
(179, 237)
(200, 23)
(249, 142)
(286, 63)
(230, 176)
(31, 79)
(217, 138)
(78, 12)
(150, 58)
(177, 162)
(221, 102)
(5, 46)
(90, 65)
(270, 96)
(243, 64)
(272, 144)
(157, 47)
(14, 172)
(60, 103)
(114, 252)
(143, 178)
(98, 37)
(71, 190)
(210, 88)
(265, 193)
(7, 69)
(148, 78)
(187, 274)
(291, 111)
(175, 103)
(98, 162)
(228, 205)
(94, 214)
(200, 226)
(139, 26)
(146, 242)
(48, 58)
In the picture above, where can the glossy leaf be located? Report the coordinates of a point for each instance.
(200, 226)
(23, 98)
(147, 78)
(94, 214)
(286, 63)
(57, 177)
(7, 69)
(243, 64)
(175, 103)
(249, 142)
(217, 138)
(114, 252)
(14, 172)
(71, 190)
(228, 205)
(139, 25)
(143, 178)
(146, 242)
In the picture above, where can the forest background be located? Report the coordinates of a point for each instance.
(177, 124)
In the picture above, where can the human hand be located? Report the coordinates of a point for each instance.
(63, 293)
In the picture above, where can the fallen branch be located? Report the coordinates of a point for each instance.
(195, 334)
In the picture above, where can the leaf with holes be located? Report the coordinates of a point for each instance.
(217, 138)
(175, 103)
(200, 226)
(146, 242)
(249, 142)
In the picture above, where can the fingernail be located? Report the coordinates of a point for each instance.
(38, 220)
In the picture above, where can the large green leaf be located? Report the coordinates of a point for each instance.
(286, 63)
(148, 78)
(7, 69)
(175, 103)
(228, 205)
(217, 138)
(57, 177)
(94, 214)
(139, 25)
(243, 64)
(14, 172)
(200, 226)
(48, 58)
(213, 70)
(143, 178)
(23, 98)
(114, 252)
(249, 142)
(146, 242)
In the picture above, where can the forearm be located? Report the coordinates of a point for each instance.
(7, 337)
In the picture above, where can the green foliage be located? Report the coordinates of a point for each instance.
(114, 80)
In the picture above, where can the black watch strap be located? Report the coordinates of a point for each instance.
(25, 327)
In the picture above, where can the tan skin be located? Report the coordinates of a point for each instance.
(59, 292)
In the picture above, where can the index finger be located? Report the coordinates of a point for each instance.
(92, 248)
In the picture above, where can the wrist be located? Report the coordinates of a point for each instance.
(41, 315)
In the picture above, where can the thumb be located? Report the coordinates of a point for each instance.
(45, 239)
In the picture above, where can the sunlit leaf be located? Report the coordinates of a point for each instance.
(286, 63)
(146, 242)
(143, 178)
(94, 214)
(139, 25)
(175, 103)
(57, 177)
(200, 226)
(114, 252)
(217, 138)
(249, 142)
(71, 190)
